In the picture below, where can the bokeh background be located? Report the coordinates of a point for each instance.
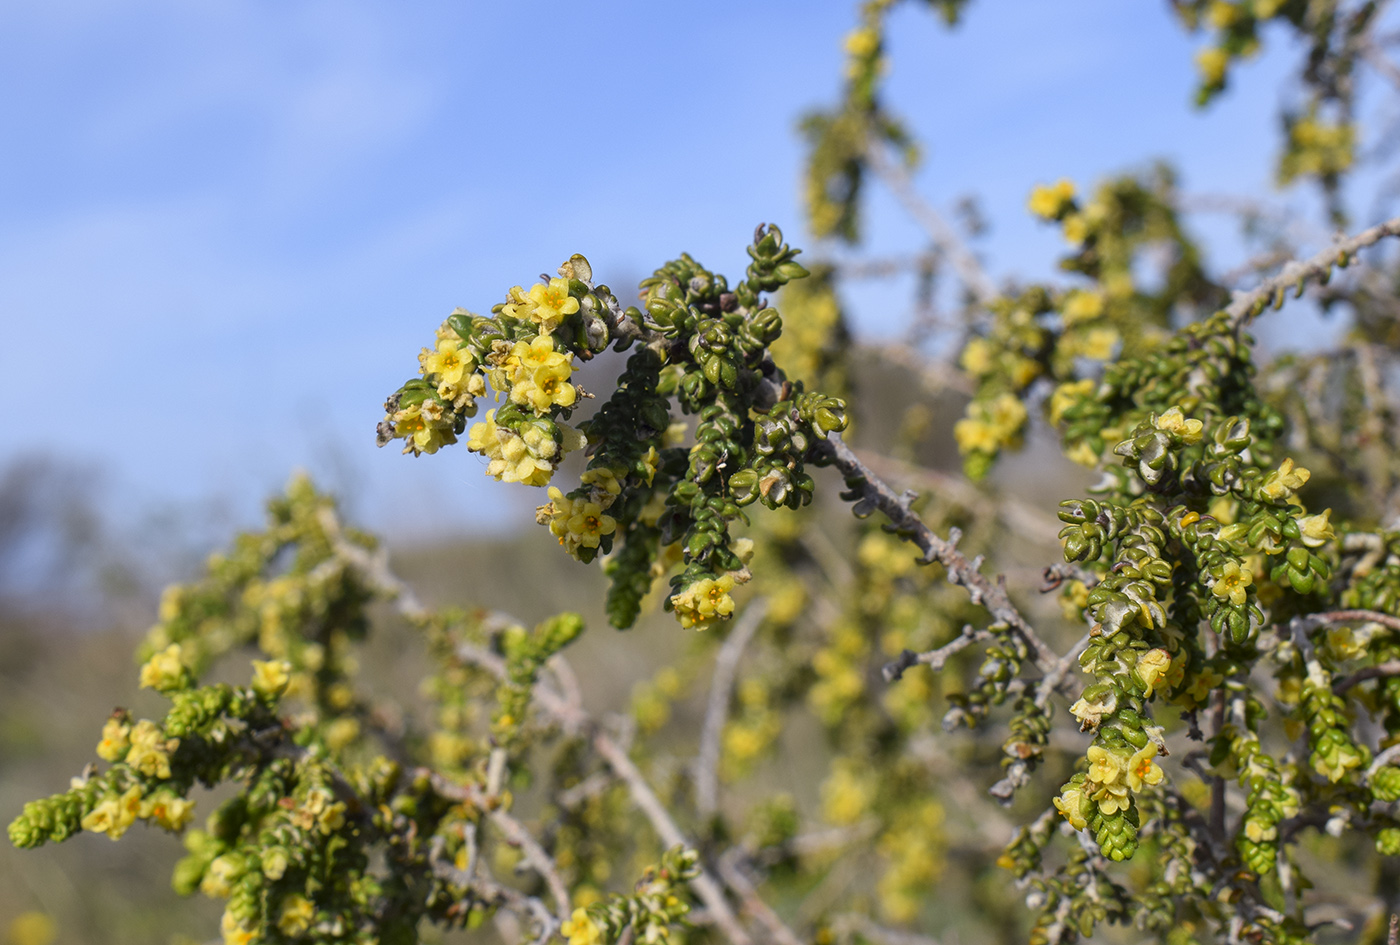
(226, 228)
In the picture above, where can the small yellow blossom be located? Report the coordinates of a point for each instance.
(163, 671)
(1232, 583)
(1173, 421)
(297, 913)
(704, 603)
(234, 932)
(1212, 63)
(1152, 668)
(1083, 454)
(582, 930)
(1081, 306)
(862, 42)
(1106, 767)
(588, 524)
(1098, 343)
(1316, 529)
(150, 751)
(1112, 798)
(606, 485)
(974, 436)
(114, 813)
(116, 733)
(168, 810)
(1090, 713)
(270, 677)
(846, 795)
(1142, 769)
(1070, 804)
(450, 362)
(977, 357)
(1222, 15)
(1075, 228)
(1285, 480)
(552, 304)
(222, 874)
(1049, 200)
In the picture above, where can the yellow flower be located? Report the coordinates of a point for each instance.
(424, 427)
(114, 813)
(270, 677)
(1221, 15)
(1098, 343)
(1083, 454)
(605, 483)
(168, 810)
(518, 304)
(974, 436)
(589, 524)
(1081, 306)
(1142, 769)
(1112, 798)
(704, 603)
(977, 357)
(1006, 414)
(449, 362)
(1152, 668)
(846, 794)
(163, 671)
(115, 738)
(1091, 713)
(150, 752)
(234, 932)
(1049, 200)
(296, 916)
(1070, 804)
(1106, 767)
(552, 304)
(1173, 421)
(862, 42)
(1316, 529)
(582, 930)
(1212, 62)
(1075, 228)
(1232, 583)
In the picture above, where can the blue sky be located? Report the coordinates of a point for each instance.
(226, 228)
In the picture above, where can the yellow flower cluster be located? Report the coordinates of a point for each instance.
(1048, 201)
(455, 366)
(164, 671)
(296, 916)
(1114, 774)
(426, 427)
(534, 374)
(234, 932)
(546, 305)
(991, 425)
(115, 813)
(320, 810)
(577, 523)
(149, 752)
(530, 456)
(116, 737)
(705, 603)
